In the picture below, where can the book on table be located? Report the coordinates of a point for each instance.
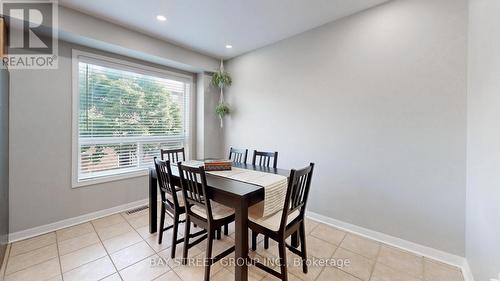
(217, 165)
(211, 164)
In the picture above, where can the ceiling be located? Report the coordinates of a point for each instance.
(207, 26)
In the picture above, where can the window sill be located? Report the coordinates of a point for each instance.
(110, 178)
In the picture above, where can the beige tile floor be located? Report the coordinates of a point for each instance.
(119, 247)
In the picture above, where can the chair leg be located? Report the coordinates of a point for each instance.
(303, 248)
(282, 254)
(218, 233)
(208, 257)
(254, 240)
(174, 236)
(162, 224)
(226, 229)
(266, 242)
(186, 240)
(295, 239)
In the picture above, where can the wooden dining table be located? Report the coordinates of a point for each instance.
(235, 194)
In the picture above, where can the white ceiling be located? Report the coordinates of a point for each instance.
(208, 25)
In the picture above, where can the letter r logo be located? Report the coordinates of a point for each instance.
(30, 27)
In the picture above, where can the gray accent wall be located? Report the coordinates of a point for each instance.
(378, 101)
(483, 157)
(4, 161)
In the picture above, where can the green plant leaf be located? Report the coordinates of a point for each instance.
(222, 110)
(221, 79)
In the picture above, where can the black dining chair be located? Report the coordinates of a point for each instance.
(288, 221)
(172, 202)
(262, 158)
(202, 211)
(173, 155)
(238, 155)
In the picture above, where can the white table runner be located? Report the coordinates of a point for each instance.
(275, 187)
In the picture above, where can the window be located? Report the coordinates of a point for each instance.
(125, 113)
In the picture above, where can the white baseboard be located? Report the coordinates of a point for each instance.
(418, 249)
(39, 230)
(467, 271)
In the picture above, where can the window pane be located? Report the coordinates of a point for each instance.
(120, 103)
(98, 158)
(125, 118)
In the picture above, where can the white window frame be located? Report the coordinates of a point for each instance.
(77, 56)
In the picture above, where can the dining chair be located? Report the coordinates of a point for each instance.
(264, 158)
(286, 222)
(204, 212)
(238, 155)
(172, 202)
(173, 155)
(177, 155)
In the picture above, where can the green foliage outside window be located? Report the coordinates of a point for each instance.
(116, 103)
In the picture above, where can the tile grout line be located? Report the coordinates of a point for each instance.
(35, 264)
(10, 256)
(397, 269)
(337, 247)
(378, 254)
(375, 260)
(3, 266)
(72, 251)
(423, 269)
(144, 240)
(59, 258)
(99, 242)
(107, 253)
(155, 252)
(88, 261)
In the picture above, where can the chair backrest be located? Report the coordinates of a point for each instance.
(173, 155)
(265, 158)
(194, 188)
(297, 193)
(238, 155)
(164, 173)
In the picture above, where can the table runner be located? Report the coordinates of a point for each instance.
(275, 187)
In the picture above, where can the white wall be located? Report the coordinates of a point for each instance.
(378, 101)
(483, 165)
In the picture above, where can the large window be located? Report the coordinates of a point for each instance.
(125, 114)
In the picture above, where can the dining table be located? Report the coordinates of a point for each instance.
(232, 193)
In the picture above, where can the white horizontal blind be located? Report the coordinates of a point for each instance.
(125, 117)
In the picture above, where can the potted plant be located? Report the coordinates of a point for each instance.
(221, 79)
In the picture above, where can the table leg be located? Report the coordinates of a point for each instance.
(295, 240)
(153, 194)
(241, 247)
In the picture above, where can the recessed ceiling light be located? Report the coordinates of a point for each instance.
(229, 46)
(161, 18)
